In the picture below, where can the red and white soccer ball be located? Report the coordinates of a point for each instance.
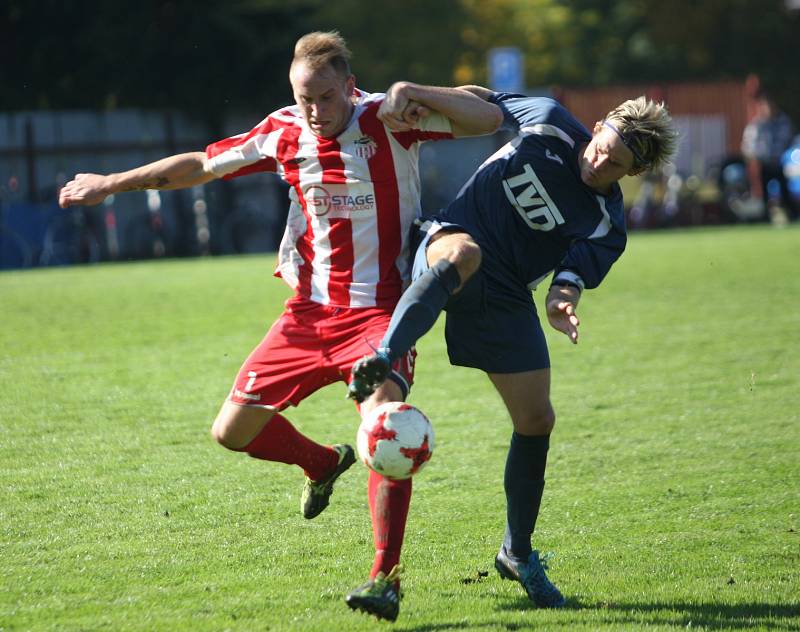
(396, 440)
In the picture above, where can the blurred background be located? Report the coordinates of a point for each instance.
(107, 86)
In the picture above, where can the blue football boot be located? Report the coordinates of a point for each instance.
(531, 575)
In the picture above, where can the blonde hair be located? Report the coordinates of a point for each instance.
(318, 49)
(647, 130)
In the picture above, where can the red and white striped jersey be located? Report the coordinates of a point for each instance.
(353, 199)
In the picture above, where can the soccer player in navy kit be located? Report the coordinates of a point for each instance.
(548, 201)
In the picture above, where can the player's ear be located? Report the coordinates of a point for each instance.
(597, 127)
(350, 85)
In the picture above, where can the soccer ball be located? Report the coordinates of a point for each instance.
(395, 440)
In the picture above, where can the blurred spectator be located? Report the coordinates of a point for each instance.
(765, 138)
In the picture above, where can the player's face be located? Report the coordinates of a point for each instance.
(324, 98)
(605, 159)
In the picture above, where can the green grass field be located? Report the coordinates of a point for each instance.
(673, 494)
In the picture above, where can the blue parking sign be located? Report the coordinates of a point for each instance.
(506, 69)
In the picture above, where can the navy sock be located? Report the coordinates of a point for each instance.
(419, 307)
(524, 484)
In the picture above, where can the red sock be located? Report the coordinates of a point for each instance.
(389, 501)
(280, 441)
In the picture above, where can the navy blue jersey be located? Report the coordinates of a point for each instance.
(528, 208)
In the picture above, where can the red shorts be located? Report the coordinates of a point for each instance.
(310, 346)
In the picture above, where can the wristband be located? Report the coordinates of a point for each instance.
(564, 283)
(568, 277)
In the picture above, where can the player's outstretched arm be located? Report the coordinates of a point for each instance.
(469, 114)
(562, 301)
(478, 91)
(175, 172)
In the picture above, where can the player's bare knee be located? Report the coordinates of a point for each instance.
(221, 432)
(235, 427)
(230, 432)
(536, 422)
(458, 248)
(546, 421)
(469, 258)
(549, 422)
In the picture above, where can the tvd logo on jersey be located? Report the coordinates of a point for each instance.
(365, 147)
(527, 195)
(337, 200)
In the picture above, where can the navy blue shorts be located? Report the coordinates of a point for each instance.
(489, 325)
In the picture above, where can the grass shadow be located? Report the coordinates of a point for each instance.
(713, 616)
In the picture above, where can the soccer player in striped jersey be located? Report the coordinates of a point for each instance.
(354, 193)
(547, 202)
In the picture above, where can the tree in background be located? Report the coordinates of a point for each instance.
(209, 58)
(391, 40)
(605, 42)
(201, 57)
(206, 58)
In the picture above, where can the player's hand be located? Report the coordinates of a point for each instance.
(85, 189)
(414, 111)
(561, 312)
(398, 111)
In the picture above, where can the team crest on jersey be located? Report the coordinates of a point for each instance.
(366, 147)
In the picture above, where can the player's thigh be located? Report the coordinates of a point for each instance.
(288, 364)
(282, 370)
(494, 332)
(236, 425)
(527, 398)
(504, 338)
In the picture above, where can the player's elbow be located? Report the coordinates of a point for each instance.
(205, 167)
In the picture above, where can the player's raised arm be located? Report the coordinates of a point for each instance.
(174, 172)
(469, 114)
(478, 91)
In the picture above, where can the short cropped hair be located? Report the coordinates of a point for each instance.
(318, 49)
(647, 130)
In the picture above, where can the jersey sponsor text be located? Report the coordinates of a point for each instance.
(527, 195)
